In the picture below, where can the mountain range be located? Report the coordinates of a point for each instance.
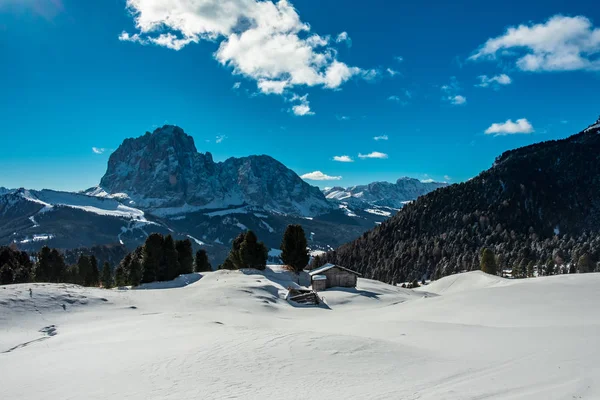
(536, 206)
(159, 182)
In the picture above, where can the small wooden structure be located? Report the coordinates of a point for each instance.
(303, 296)
(333, 276)
(319, 282)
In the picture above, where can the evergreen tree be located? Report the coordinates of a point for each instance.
(488, 262)
(43, 269)
(530, 268)
(550, 269)
(185, 254)
(227, 264)
(202, 263)
(135, 271)
(585, 264)
(234, 256)
(57, 266)
(6, 275)
(85, 269)
(107, 276)
(253, 253)
(517, 270)
(169, 267)
(293, 247)
(152, 254)
(120, 277)
(94, 277)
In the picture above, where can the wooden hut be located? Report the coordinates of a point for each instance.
(331, 275)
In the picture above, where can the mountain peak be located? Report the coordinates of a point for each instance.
(163, 169)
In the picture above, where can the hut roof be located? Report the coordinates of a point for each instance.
(326, 267)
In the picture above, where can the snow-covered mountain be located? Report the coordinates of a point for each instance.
(380, 198)
(164, 173)
(160, 183)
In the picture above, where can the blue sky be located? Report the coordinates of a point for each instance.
(303, 81)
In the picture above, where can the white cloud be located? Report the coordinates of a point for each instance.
(264, 41)
(344, 38)
(342, 117)
(494, 81)
(382, 137)
(452, 91)
(457, 100)
(447, 178)
(394, 98)
(510, 128)
(272, 87)
(392, 72)
(427, 180)
(374, 154)
(343, 159)
(220, 138)
(561, 43)
(98, 150)
(303, 108)
(319, 176)
(399, 59)
(237, 85)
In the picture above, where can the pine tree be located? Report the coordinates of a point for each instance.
(293, 247)
(253, 253)
(202, 263)
(94, 277)
(185, 255)
(120, 277)
(152, 254)
(57, 266)
(488, 262)
(584, 264)
(7, 275)
(43, 268)
(550, 269)
(530, 268)
(107, 276)
(85, 269)
(234, 257)
(135, 271)
(169, 267)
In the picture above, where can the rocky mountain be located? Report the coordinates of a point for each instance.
(383, 194)
(164, 173)
(539, 203)
(159, 182)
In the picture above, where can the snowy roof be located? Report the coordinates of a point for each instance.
(327, 267)
(319, 278)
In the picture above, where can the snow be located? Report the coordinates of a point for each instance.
(37, 238)
(199, 242)
(378, 212)
(267, 226)
(220, 213)
(97, 205)
(241, 226)
(231, 334)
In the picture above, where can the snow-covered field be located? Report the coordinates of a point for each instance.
(231, 334)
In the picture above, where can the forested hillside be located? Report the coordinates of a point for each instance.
(537, 205)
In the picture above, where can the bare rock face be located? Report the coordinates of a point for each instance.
(163, 170)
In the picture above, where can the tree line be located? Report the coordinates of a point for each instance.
(160, 258)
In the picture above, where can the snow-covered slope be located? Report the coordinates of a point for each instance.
(231, 334)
